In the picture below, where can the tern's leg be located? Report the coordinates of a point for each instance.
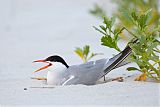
(104, 78)
(39, 78)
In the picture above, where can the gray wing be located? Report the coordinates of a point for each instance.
(87, 73)
(90, 72)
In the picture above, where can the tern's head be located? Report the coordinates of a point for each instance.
(51, 60)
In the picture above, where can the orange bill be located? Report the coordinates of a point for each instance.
(44, 66)
(40, 61)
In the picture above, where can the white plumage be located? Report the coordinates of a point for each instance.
(55, 73)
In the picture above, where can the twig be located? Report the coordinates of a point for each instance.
(42, 87)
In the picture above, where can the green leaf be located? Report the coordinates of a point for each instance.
(105, 20)
(98, 11)
(113, 19)
(158, 42)
(154, 30)
(79, 52)
(142, 21)
(140, 63)
(103, 28)
(86, 50)
(84, 53)
(148, 12)
(117, 31)
(132, 69)
(142, 40)
(137, 49)
(109, 42)
(154, 58)
(134, 16)
(108, 23)
(151, 47)
(99, 30)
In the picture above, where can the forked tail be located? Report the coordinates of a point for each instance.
(118, 59)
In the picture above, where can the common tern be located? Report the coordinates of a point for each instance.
(60, 73)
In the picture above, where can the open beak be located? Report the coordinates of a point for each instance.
(49, 64)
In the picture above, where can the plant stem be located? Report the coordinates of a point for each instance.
(130, 32)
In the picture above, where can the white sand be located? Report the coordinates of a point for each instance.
(33, 29)
(112, 93)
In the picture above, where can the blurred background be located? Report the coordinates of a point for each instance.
(36, 29)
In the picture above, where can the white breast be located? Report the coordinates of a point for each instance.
(55, 73)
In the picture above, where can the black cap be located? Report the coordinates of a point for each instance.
(56, 58)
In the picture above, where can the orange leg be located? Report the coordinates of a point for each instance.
(119, 79)
(39, 78)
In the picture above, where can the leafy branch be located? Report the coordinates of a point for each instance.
(141, 20)
(98, 11)
(145, 52)
(84, 53)
(125, 8)
(110, 38)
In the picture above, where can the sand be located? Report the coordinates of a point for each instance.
(32, 30)
(108, 94)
